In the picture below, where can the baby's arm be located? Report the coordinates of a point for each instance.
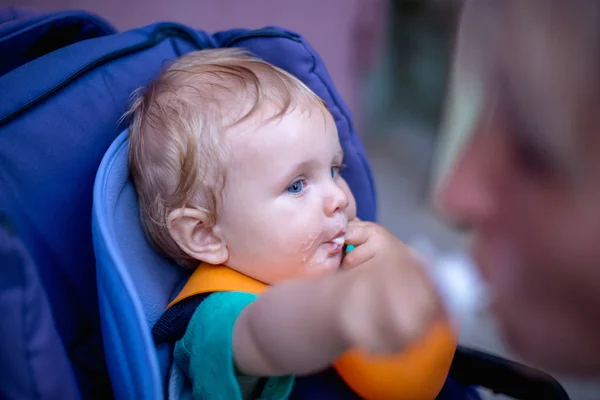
(291, 329)
(301, 327)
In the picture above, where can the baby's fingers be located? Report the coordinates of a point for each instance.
(358, 256)
(357, 233)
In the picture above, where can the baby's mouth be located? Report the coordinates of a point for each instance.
(336, 245)
(339, 240)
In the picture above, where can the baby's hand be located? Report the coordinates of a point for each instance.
(372, 244)
(389, 302)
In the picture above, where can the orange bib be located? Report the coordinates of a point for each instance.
(417, 373)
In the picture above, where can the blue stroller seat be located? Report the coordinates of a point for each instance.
(86, 305)
(135, 284)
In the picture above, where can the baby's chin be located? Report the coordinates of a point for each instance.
(324, 266)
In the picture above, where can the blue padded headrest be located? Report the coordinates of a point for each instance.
(134, 282)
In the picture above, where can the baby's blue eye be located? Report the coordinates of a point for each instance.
(334, 171)
(296, 187)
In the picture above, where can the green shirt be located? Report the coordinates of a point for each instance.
(205, 353)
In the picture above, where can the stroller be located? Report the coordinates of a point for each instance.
(81, 287)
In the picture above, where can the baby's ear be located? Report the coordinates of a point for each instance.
(193, 230)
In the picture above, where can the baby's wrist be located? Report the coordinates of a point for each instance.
(341, 307)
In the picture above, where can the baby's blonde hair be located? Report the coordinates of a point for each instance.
(177, 152)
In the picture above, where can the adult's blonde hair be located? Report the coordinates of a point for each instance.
(177, 151)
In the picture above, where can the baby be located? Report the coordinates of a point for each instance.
(237, 165)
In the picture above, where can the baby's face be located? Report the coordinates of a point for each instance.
(285, 207)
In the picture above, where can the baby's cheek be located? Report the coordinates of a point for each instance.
(294, 243)
(351, 209)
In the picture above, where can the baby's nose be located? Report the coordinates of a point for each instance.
(336, 201)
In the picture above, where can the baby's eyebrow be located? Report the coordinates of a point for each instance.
(297, 168)
(302, 166)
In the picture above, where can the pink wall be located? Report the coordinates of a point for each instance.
(335, 28)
